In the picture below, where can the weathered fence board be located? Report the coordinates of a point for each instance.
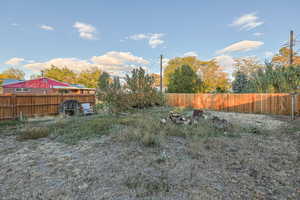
(278, 104)
(30, 105)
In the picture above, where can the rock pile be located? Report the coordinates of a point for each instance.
(179, 118)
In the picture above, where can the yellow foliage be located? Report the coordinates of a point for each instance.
(209, 71)
(282, 57)
(88, 77)
(12, 73)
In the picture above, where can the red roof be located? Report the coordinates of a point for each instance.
(37, 83)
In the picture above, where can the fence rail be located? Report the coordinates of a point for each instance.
(278, 104)
(30, 105)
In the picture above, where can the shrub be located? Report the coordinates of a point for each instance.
(116, 100)
(137, 92)
(32, 133)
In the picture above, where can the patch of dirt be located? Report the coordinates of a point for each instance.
(247, 167)
(267, 122)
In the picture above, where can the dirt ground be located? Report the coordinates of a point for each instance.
(253, 166)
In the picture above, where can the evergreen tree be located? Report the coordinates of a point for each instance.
(116, 83)
(103, 83)
(139, 81)
(184, 80)
(240, 83)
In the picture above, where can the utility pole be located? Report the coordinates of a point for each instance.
(291, 47)
(161, 59)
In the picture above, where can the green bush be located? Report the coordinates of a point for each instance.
(137, 92)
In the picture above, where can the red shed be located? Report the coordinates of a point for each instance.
(42, 86)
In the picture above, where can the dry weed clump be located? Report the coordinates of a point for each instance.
(33, 133)
(146, 185)
(146, 131)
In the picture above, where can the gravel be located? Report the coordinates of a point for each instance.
(248, 167)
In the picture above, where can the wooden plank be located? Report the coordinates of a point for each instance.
(31, 105)
(245, 103)
(36, 105)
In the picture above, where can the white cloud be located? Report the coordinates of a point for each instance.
(118, 58)
(15, 24)
(245, 45)
(269, 54)
(190, 53)
(258, 34)
(86, 31)
(47, 28)
(226, 62)
(139, 37)
(154, 39)
(71, 63)
(116, 63)
(247, 22)
(165, 62)
(14, 61)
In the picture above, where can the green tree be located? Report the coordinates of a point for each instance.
(104, 81)
(116, 83)
(275, 78)
(61, 74)
(177, 62)
(214, 79)
(240, 83)
(184, 80)
(13, 73)
(139, 81)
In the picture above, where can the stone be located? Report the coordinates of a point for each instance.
(163, 121)
(197, 113)
(83, 186)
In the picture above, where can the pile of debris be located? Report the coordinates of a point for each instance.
(180, 118)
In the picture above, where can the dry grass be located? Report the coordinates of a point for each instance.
(146, 128)
(145, 131)
(142, 126)
(146, 185)
(33, 133)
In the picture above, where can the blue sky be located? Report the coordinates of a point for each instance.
(118, 35)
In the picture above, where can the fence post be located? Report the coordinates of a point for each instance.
(297, 108)
(14, 106)
(293, 105)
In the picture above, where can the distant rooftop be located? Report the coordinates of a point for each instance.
(10, 81)
(78, 85)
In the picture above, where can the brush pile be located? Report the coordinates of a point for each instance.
(180, 118)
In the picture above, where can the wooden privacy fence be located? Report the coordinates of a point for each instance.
(30, 105)
(278, 104)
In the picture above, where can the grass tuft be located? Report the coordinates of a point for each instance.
(33, 133)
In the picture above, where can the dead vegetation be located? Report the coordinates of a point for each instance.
(134, 155)
(32, 133)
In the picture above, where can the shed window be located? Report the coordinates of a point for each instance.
(22, 90)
